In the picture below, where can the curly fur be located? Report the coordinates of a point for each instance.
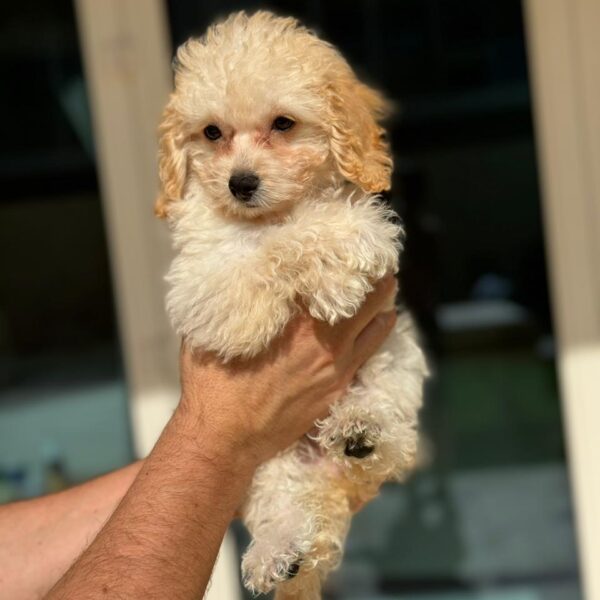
(315, 234)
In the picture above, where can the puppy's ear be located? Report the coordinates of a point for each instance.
(172, 161)
(357, 141)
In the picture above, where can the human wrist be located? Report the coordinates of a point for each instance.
(213, 448)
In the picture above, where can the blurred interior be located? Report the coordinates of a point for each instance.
(490, 517)
(62, 391)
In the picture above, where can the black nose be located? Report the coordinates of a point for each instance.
(243, 185)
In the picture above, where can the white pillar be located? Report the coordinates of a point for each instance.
(564, 55)
(126, 51)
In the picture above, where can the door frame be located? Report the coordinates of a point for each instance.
(127, 54)
(564, 58)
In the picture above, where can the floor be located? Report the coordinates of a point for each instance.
(562, 591)
(490, 534)
(491, 520)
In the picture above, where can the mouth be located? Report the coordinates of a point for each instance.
(246, 208)
(249, 203)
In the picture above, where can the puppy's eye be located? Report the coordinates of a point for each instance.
(282, 124)
(212, 132)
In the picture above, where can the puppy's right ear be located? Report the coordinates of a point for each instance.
(172, 161)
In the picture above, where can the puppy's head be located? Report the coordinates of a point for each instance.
(265, 114)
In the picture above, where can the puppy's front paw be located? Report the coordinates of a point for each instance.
(358, 447)
(263, 568)
(350, 437)
(338, 299)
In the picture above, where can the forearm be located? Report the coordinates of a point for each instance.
(40, 539)
(163, 539)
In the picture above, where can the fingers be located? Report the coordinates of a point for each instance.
(375, 302)
(372, 336)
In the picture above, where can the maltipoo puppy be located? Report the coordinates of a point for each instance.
(271, 159)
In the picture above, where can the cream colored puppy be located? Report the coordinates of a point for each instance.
(271, 157)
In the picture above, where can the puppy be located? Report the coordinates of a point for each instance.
(271, 159)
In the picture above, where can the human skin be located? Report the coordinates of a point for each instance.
(174, 508)
(40, 538)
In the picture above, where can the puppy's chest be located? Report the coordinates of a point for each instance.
(233, 289)
(280, 249)
(319, 238)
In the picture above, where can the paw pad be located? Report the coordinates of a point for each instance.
(358, 447)
(292, 570)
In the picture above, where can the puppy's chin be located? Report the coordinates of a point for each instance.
(258, 209)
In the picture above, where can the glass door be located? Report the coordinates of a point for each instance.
(63, 401)
(491, 515)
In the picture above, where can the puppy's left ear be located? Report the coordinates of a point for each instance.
(357, 140)
(172, 161)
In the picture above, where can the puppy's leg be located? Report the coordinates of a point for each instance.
(329, 510)
(331, 507)
(372, 430)
(280, 525)
(310, 590)
(298, 514)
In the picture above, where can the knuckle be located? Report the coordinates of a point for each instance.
(330, 376)
(326, 358)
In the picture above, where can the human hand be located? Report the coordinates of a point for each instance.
(255, 408)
